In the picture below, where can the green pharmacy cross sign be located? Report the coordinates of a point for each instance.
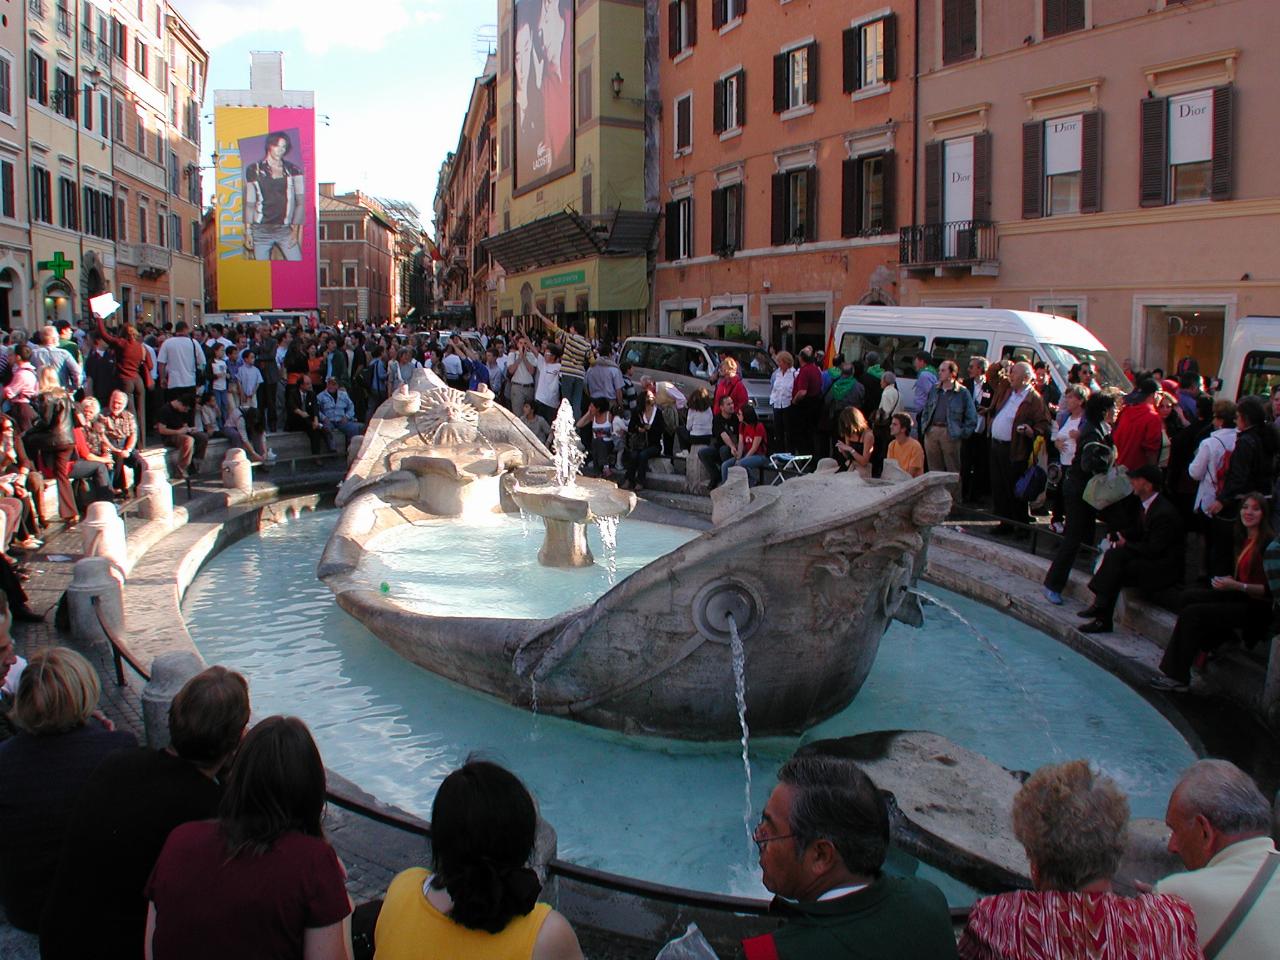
(59, 265)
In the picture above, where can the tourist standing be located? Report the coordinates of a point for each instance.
(947, 419)
(806, 404)
(1018, 417)
(547, 390)
(181, 360)
(781, 385)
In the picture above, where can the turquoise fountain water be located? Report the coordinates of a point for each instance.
(662, 810)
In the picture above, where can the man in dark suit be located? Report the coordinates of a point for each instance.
(1150, 555)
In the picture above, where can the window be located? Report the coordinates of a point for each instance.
(726, 11)
(104, 39)
(324, 231)
(897, 351)
(117, 120)
(195, 238)
(193, 184)
(143, 214)
(730, 102)
(584, 94)
(683, 120)
(682, 26)
(870, 54)
(119, 39)
(349, 233)
(795, 78)
(88, 106)
(959, 349)
(86, 26)
(122, 220)
(795, 206)
(1260, 374)
(1063, 16)
(37, 78)
(64, 94)
(679, 229)
(348, 274)
(957, 184)
(141, 57)
(959, 30)
(161, 218)
(68, 204)
(175, 232)
(41, 195)
(1062, 166)
(104, 111)
(173, 103)
(866, 205)
(64, 18)
(98, 213)
(1186, 152)
(6, 86)
(726, 220)
(173, 173)
(324, 274)
(140, 144)
(8, 205)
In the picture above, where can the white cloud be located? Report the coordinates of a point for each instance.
(323, 25)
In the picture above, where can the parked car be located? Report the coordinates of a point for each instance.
(693, 362)
(1251, 361)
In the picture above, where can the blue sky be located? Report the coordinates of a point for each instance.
(393, 78)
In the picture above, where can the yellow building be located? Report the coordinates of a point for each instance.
(575, 218)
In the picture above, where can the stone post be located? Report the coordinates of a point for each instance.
(102, 534)
(94, 577)
(169, 672)
(154, 488)
(696, 479)
(237, 471)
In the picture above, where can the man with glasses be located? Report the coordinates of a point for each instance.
(823, 838)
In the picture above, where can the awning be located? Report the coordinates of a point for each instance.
(722, 316)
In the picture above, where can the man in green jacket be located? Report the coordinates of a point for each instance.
(823, 838)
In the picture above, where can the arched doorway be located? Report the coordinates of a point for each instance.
(10, 287)
(59, 302)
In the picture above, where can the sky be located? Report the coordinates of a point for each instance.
(392, 80)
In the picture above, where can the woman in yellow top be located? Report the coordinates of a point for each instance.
(481, 900)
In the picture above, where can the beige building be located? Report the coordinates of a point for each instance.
(1102, 159)
(15, 236)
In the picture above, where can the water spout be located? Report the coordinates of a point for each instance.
(609, 540)
(740, 694)
(566, 450)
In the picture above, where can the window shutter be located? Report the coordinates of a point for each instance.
(742, 97)
(739, 201)
(684, 123)
(888, 189)
(742, 7)
(811, 88)
(673, 231)
(1073, 14)
(950, 30)
(1220, 184)
(811, 215)
(1054, 17)
(779, 82)
(717, 107)
(968, 27)
(673, 28)
(1154, 153)
(693, 21)
(717, 221)
(1091, 163)
(890, 47)
(982, 176)
(851, 41)
(778, 217)
(1033, 169)
(850, 194)
(717, 14)
(933, 182)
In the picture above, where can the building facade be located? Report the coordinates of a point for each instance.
(357, 250)
(1105, 160)
(16, 270)
(786, 148)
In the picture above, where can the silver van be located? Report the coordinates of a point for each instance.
(693, 362)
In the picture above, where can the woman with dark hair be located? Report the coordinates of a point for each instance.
(1090, 456)
(644, 441)
(52, 435)
(275, 202)
(260, 880)
(1241, 602)
(481, 898)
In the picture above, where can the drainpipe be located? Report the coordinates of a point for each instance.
(915, 114)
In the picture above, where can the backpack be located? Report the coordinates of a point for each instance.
(1220, 475)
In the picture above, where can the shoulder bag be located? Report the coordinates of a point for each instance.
(1243, 906)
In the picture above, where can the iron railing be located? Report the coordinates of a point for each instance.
(955, 241)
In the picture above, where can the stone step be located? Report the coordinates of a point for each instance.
(678, 501)
(668, 482)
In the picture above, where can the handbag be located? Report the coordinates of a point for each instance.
(202, 372)
(1104, 489)
(1032, 483)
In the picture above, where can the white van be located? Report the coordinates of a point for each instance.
(1251, 362)
(897, 334)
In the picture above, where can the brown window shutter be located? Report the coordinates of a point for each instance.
(850, 195)
(851, 42)
(673, 231)
(693, 22)
(1153, 190)
(742, 97)
(950, 30)
(811, 216)
(890, 47)
(717, 14)
(1033, 169)
(684, 123)
(779, 82)
(1073, 14)
(1220, 184)
(717, 221)
(811, 88)
(742, 7)
(889, 164)
(717, 107)
(933, 182)
(778, 215)
(982, 176)
(1055, 15)
(739, 197)
(586, 195)
(1091, 162)
(673, 28)
(968, 27)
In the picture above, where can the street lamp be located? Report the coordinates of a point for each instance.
(616, 82)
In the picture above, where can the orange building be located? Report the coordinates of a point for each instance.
(786, 148)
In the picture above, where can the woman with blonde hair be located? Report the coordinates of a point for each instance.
(1073, 823)
(52, 436)
(855, 442)
(61, 741)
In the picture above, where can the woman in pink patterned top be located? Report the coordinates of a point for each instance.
(1073, 824)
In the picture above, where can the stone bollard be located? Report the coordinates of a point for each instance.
(731, 497)
(696, 478)
(169, 672)
(154, 488)
(237, 471)
(405, 401)
(94, 577)
(353, 448)
(544, 850)
(102, 534)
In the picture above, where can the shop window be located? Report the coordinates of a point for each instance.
(1186, 152)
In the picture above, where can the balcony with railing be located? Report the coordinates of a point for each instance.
(946, 249)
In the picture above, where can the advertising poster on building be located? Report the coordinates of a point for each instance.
(544, 72)
(265, 207)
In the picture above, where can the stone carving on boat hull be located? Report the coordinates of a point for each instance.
(813, 571)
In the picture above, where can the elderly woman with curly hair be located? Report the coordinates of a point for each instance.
(1073, 824)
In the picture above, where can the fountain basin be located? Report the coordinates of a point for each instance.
(566, 509)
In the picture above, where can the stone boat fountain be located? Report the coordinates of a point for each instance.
(808, 574)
